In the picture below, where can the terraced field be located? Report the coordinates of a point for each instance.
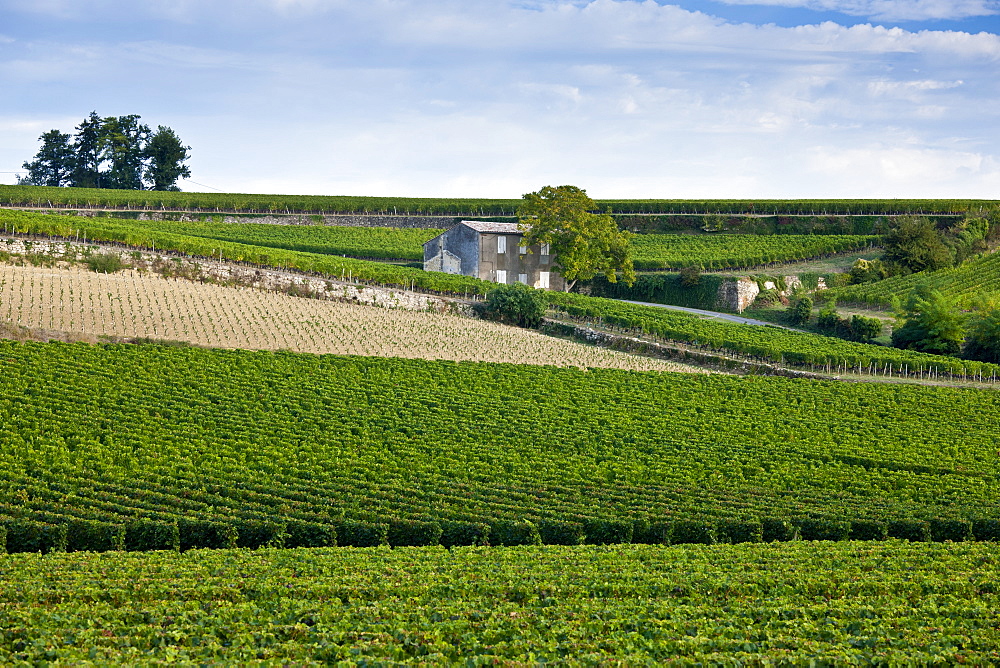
(141, 305)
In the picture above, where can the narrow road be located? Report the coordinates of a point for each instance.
(714, 314)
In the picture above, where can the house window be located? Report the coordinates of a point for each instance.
(501, 244)
(522, 249)
(501, 274)
(543, 279)
(522, 278)
(545, 250)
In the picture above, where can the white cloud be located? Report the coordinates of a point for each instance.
(413, 97)
(890, 10)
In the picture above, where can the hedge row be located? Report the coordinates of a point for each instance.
(17, 535)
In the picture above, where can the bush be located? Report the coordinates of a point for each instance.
(93, 536)
(104, 264)
(988, 530)
(801, 311)
(254, 534)
(196, 534)
(651, 533)
(515, 304)
(953, 530)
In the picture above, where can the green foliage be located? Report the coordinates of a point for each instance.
(801, 311)
(930, 322)
(690, 276)
(983, 341)
(865, 329)
(714, 252)
(837, 603)
(515, 304)
(867, 271)
(104, 263)
(914, 245)
(166, 155)
(118, 153)
(54, 163)
(664, 288)
(584, 243)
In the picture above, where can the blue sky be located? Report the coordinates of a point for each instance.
(495, 98)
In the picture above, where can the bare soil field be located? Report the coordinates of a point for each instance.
(135, 304)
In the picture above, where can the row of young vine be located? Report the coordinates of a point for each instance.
(149, 447)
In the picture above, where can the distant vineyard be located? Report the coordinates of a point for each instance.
(391, 243)
(805, 603)
(147, 447)
(731, 251)
(129, 233)
(978, 277)
(770, 343)
(778, 345)
(41, 196)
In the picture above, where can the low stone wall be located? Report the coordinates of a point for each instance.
(203, 269)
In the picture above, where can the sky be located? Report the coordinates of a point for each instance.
(497, 98)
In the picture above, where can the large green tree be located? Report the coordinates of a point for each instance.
(983, 341)
(54, 163)
(124, 149)
(111, 152)
(583, 243)
(929, 322)
(914, 244)
(166, 155)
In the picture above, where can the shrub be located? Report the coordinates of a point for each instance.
(801, 311)
(253, 534)
(91, 536)
(104, 263)
(953, 530)
(988, 530)
(515, 304)
(651, 533)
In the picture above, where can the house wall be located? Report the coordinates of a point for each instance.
(460, 241)
(514, 262)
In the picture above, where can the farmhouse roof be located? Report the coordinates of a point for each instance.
(496, 228)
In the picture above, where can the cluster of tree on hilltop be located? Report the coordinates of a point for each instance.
(115, 152)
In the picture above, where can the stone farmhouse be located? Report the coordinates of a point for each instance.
(492, 252)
